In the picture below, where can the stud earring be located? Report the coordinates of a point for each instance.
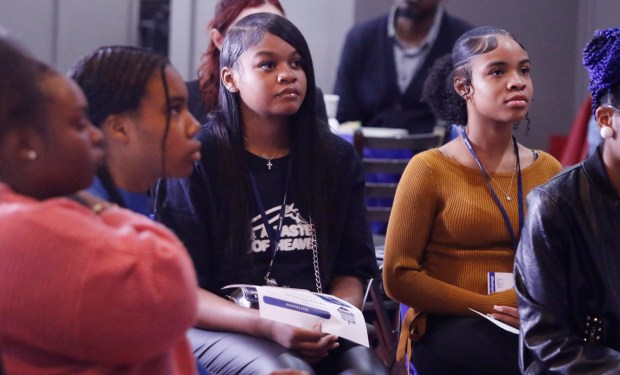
(31, 155)
(231, 88)
(607, 132)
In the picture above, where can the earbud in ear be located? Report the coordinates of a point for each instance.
(468, 88)
(607, 132)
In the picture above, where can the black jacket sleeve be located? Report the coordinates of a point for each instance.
(185, 206)
(549, 253)
(352, 239)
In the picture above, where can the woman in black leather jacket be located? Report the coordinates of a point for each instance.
(567, 267)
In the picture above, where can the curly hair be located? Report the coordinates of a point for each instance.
(601, 57)
(439, 91)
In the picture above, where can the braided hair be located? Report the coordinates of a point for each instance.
(601, 57)
(114, 80)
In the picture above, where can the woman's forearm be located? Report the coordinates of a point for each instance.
(216, 313)
(348, 288)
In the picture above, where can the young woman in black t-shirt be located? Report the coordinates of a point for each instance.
(265, 157)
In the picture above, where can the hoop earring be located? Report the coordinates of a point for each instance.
(607, 132)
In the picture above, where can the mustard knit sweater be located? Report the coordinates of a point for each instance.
(446, 233)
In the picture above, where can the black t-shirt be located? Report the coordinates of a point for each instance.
(293, 262)
(194, 209)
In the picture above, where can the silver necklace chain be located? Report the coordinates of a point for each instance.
(269, 164)
(315, 260)
(315, 249)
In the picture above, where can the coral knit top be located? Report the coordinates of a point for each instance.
(446, 233)
(87, 293)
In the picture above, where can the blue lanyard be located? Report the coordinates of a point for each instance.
(274, 236)
(515, 242)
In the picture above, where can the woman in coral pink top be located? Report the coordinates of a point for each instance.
(85, 288)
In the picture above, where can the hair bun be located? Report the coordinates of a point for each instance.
(601, 57)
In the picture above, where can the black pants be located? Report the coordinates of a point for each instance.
(465, 346)
(233, 353)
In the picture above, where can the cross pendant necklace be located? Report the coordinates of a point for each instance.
(269, 164)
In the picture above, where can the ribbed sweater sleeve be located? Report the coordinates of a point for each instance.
(446, 233)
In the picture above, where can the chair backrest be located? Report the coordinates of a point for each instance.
(384, 160)
(576, 142)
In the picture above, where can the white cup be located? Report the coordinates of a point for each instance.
(331, 105)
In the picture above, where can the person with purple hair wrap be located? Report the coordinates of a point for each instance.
(602, 59)
(566, 268)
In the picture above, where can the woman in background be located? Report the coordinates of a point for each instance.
(459, 209)
(139, 101)
(203, 92)
(276, 199)
(85, 287)
(566, 269)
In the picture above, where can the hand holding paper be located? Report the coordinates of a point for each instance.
(497, 322)
(507, 314)
(304, 309)
(310, 343)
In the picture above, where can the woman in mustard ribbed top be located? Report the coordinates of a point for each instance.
(457, 212)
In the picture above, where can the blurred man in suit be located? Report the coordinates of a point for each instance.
(385, 61)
